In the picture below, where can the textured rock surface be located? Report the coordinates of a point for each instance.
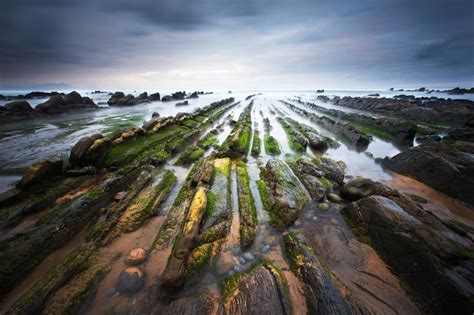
(287, 196)
(324, 293)
(258, 292)
(425, 258)
(443, 166)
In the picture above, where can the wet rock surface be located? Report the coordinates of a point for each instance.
(451, 112)
(287, 197)
(131, 280)
(402, 132)
(258, 291)
(416, 252)
(444, 166)
(324, 293)
(56, 104)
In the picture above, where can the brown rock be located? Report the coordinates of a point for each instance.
(136, 256)
(79, 151)
(40, 171)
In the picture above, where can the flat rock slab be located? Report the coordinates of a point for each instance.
(257, 293)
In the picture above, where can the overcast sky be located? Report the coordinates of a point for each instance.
(237, 44)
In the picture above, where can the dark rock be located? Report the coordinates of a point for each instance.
(460, 134)
(202, 303)
(420, 255)
(72, 98)
(374, 95)
(259, 292)
(60, 104)
(86, 170)
(127, 100)
(154, 97)
(39, 172)
(79, 151)
(443, 166)
(87, 100)
(183, 103)
(178, 95)
(131, 280)
(142, 97)
(166, 98)
(96, 152)
(155, 115)
(428, 138)
(358, 188)
(324, 295)
(193, 95)
(19, 108)
(53, 105)
(115, 98)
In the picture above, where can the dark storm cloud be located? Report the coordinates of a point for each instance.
(73, 40)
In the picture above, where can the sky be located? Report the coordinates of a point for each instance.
(237, 44)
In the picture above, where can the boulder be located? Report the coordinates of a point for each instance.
(183, 103)
(136, 256)
(127, 100)
(115, 98)
(87, 100)
(166, 98)
(73, 98)
(96, 152)
(178, 95)
(142, 97)
(194, 95)
(54, 105)
(445, 166)
(154, 97)
(59, 104)
(79, 151)
(131, 280)
(358, 188)
(19, 108)
(40, 172)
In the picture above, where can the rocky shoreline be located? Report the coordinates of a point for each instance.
(56, 104)
(189, 215)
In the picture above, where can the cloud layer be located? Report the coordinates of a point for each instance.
(215, 44)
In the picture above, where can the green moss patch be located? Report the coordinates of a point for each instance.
(271, 145)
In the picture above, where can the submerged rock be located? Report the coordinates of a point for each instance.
(358, 188)
(183, 103)
(131, 280)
